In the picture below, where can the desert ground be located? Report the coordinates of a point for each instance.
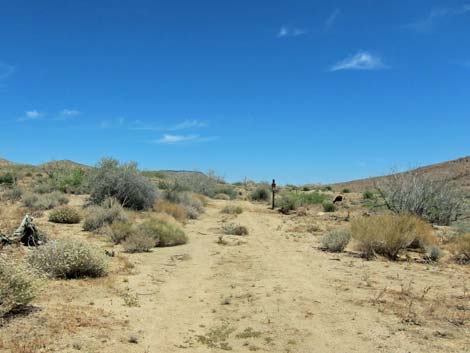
(273, 290)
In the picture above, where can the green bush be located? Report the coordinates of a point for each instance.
(336, 240)
(69, 259)
(287, 202)
(99, 216)
(14, 193)
(164, 233)
(329, 206)
(261, 193)
(65, 215)
(232, 210)
(311, 198)
(18, 285)
(346, 191)
(234, 229)
(7, 178)
(367, 195)
(138, 242)
(124, 182)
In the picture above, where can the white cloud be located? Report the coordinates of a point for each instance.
(31, 115)
(188, 124)
(330, 21)
(427, 23)
(6, 70)
(285, 32)
(360, 61)
(69, 113)
(170, 139)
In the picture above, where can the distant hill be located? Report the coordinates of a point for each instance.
(63, 164)
(5, 163)
(457, 170)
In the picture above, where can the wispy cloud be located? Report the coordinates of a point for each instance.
(31, 115)
(112, 123)
(184, 125)
(331, 19)
(427, 23)
(6, 70)
(69, 113)
(170, 139)
(286, 32)
(361, 61)
(188, 124)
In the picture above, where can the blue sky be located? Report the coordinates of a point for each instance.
(304, 91)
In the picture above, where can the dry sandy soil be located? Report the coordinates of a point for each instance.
(273, 290)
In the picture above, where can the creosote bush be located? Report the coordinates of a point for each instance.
(69, 259)
(124, 182)
(99, 216)
(232, 210)
(461, 249)
(329, 206)
(120, 231)
(175, 210)
(234, 229)
(65, 215)
(18, 285)
(367, 195)
(138, 242)
(261, 193)
(336, 240)
(163, 232)
(387, 234)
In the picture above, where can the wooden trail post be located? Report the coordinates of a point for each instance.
(273, 186)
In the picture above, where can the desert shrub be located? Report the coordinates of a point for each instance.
(66, 215)
(306, 188)
(327, 188)
(17, 285)
(14, 193)
(367, 195)
(261, 193)
(329, 206)
(192, 203)
(175, 210)
(138, 242)
(287, 202)
(222, 196)
(336, 240)
(311, 198)
(434, 253)
(164, 233)
(69, 259)
(45, 201)
(346, 191)
(120, 231)
(228, 190)
(43, 188)
(234, 229)
(7, 178)
(386, 234)
(437, 201)
(124, 182)
(461, 248)
(232, 209)
(425, 235)
(69, 180)
(107, 214)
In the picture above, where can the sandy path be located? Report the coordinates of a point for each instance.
(270, 293)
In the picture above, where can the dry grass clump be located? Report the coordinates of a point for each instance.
(336, 240)
(18, 285)
(175, 210)
(386, 234)
(193, 203)
(163, 232)
(234, 229)
(45, 201)
(65, 215)
(138, 242)
(329, 206)
(69, 259)
(232, 210)
(99, 216)
(461, 249)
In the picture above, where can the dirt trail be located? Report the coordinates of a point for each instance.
(268, 291)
